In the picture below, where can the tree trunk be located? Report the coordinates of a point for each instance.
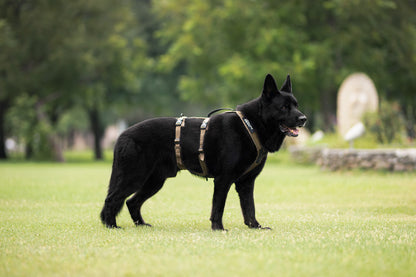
(410, 121)
(98, 132)
(328, 109)
(58, 154)
(28, 151)
(3, 108)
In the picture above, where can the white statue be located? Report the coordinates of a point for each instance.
(356, 96)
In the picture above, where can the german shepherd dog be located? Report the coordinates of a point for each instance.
(144, 155)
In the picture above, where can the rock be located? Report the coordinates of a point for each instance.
(343, 159)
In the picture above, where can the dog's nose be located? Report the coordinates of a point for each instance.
(302, 120)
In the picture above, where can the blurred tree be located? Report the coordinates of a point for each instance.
(376, 37)
(68, 53)
(110, 54)
(40, 67)
(158, 90)
(228, 51)
(8, 76)
(228, 47)
(387, 125)
(107, 55)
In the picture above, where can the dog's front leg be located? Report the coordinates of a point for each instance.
(221, 188)
(245, 189)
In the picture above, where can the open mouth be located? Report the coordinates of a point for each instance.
(291, 132)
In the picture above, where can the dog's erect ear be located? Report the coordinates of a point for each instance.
(287, 85)
(270, 88)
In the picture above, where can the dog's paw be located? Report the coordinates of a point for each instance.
(218, 227)
(142, 224)
(220, 230)
(112, 226)
(256, 225)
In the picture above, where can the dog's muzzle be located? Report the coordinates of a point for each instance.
(293, 131)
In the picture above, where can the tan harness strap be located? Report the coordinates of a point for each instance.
(201, 156)
(261, 152)
(180, 122)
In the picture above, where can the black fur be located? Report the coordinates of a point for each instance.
(144, 154)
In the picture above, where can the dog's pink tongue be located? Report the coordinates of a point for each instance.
(294, 131)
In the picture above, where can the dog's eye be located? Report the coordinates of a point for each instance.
(285, 108)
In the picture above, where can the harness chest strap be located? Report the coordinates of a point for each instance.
(261, 152)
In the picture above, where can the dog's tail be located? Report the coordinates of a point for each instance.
(112, 206)
(125, 157)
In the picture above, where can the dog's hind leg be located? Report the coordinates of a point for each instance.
(125, 179)
(113, 205)
(153, 184)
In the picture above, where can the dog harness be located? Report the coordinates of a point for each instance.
(180, 122)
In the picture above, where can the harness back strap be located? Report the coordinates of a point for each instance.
(261, 152)
(201, 156)
(180, 122)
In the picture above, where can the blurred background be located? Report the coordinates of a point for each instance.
(74, 74)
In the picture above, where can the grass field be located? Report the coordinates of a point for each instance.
(324, 224)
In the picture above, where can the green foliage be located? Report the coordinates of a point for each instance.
(41, 142)
(35, 134)
(228, 47)
(387, 125)
(324, 224)
(70, 54)
(143, 58)
(229, 50)
(74, 119)
(21, 123)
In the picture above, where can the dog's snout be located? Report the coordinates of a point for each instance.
(302, 120)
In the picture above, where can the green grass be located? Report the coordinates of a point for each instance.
(324, 224)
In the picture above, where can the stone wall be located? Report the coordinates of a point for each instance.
(347, 159)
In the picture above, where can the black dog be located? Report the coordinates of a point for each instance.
(144, 155)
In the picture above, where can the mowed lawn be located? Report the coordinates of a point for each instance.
(323, 224)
